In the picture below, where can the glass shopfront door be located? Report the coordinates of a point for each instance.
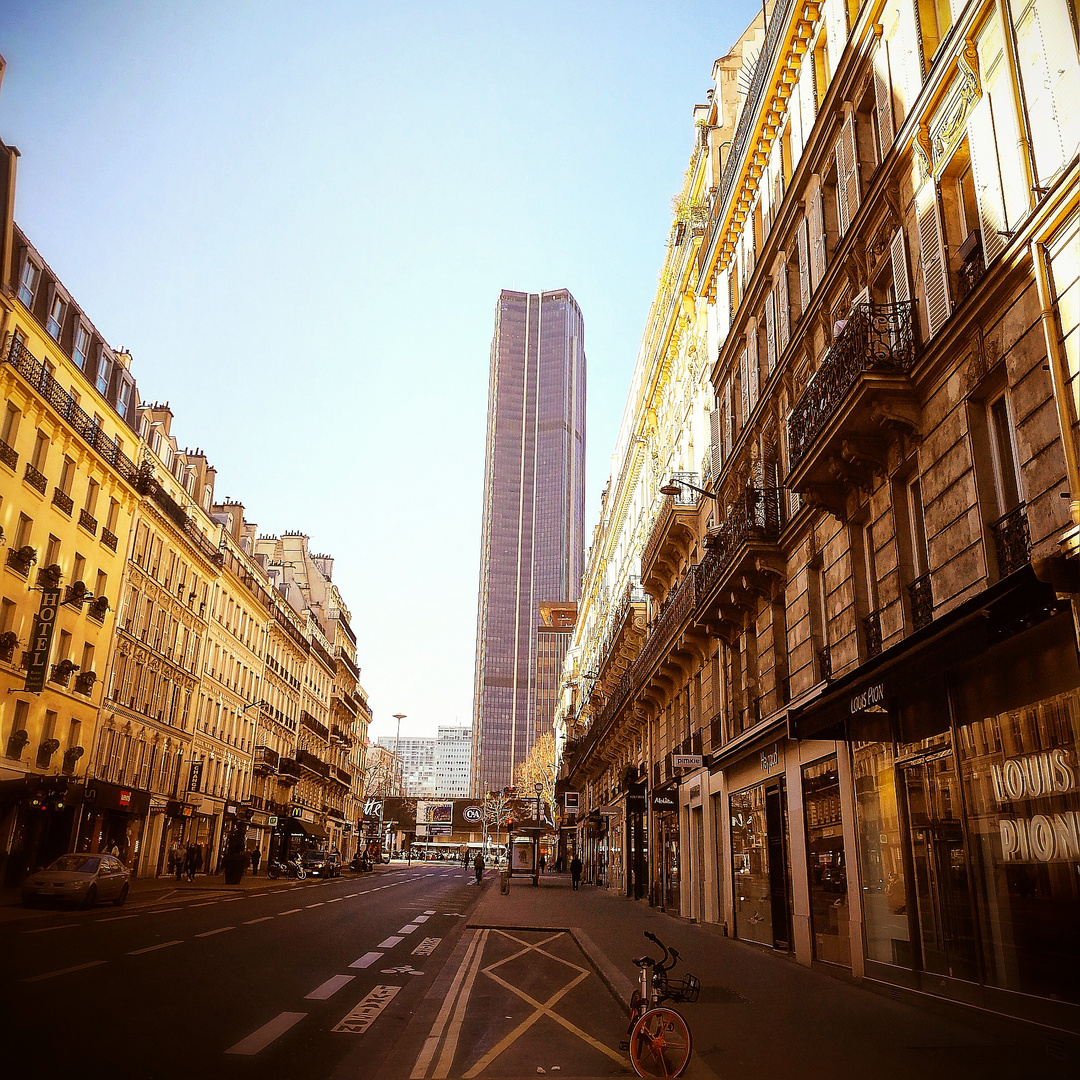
(940, 889)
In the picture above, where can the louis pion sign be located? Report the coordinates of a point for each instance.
(41, 641)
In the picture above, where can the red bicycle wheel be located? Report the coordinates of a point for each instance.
(660, 1044)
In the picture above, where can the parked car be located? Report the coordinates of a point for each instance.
(81, 879)
(322, 863)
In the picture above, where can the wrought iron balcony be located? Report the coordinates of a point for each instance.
(971, 270)
(62, 501)
(1012, 540)
(21, 559)
(633, 596)
(313, 725)
(289, 769)
(8, 455)
(921, 594)
(88, 521)
(61, 673)
(8, 640)
(675, 613)
(36, 479)
(109, 539)
(673, 520)
(867, 365)
(265, 759)
(84, 682)
(307, 760)
(750, 529)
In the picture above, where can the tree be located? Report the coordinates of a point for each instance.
(541, 767)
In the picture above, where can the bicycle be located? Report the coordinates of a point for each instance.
(659, 1040)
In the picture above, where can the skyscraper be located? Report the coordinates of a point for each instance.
(534, 501)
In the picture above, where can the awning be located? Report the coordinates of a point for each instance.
(309, 828)
(959, 636)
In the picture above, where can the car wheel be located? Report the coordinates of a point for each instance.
(119, 901)
(91, 896)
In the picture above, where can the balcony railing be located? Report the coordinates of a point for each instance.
(109, 539)
(686, 499)
(8, 455)
(265, 758)
(922, 601)
(313, 725)
(88, 521)
(62, 501)
(674, 613)
(824, 659)
(633, 594)
(755, 516)
(1012, 540)
(307, 760)
(35, 479)
(876, 338)
(970, 273)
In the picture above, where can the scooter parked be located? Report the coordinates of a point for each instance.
(277, 868)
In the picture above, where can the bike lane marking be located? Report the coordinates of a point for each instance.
(329, 988)
(367, 1010)
(366, 960)
(265, 1035)
(390, 942)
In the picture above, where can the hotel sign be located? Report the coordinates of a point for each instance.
(41, 641)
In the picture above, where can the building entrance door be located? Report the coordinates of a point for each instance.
(940, 893)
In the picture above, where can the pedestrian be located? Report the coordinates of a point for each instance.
(256, 855)
(199, 856)
(478, 866)
(189, 862)
(114, 849)
(543, 863)
(575, 871)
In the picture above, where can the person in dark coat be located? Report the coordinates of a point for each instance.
(478, 867)
(575, 871)
(190, 856)
(256, 856)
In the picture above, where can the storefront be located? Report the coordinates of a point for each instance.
(667, 872)
(113, 815)
(964, 751)
(37, 819)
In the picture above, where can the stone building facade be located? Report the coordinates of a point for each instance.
(845, 721)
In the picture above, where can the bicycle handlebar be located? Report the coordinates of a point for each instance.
(671, 956)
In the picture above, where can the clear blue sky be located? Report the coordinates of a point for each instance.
(298, 218)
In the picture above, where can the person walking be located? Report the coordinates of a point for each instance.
(478, 866)
(575, 871)
(256, 856)
(189, 862)
(543, 864)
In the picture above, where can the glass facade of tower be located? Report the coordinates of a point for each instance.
(534, 499)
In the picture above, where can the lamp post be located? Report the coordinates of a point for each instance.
(397, 753)
(675, 485)
(538, 788)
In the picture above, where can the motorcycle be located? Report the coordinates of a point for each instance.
(276, 868)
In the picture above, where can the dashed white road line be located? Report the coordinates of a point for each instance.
(46, 929)
(366, 960)
(117, 918)
(336, 900)
(319, 904)
(64, 971)
(422, 918)
(291, 911)
(254, 894)
(265, 1035)
(390, 942)
(265, 918)
(208, 903)
(219, 930)
(329, 988)
(408, 929)
(154, 948)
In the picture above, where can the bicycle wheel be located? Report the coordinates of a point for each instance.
(660, 1044)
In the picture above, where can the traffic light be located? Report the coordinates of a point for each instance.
(509, 823)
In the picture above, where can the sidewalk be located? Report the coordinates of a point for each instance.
(148, 890)
(764, 1016)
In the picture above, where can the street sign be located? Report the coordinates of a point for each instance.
(686, 761)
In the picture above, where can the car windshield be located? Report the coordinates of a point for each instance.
(315, 856)
(76, 864)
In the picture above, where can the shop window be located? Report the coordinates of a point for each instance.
(826, 863)
(759, 865)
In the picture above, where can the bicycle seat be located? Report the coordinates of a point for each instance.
(644, 961)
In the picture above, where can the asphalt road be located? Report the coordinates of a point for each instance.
(280, 985)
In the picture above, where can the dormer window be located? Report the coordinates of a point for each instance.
(123, 400)
(104, 371)
(55, 321)
(81, 347)
(28, 283)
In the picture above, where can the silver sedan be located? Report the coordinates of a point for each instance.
(81, 879)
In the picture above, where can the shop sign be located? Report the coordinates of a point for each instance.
(195, 779)
(296, 811)
(572, 800)
(1040, 837)
(273, 820)
(770, 758)
(635, 803)
(686, 761)
(867, 699)
(124, 798)
(41, 641)
(664, 801)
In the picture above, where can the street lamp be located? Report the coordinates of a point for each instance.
(538, 788)
(397, 754)
(675, 485)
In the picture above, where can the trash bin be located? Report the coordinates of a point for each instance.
(504, 882)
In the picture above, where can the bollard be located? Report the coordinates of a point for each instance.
(504, 883)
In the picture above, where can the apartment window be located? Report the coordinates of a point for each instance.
(81, 348)
(101, 583)
(935, 22)
(113, 514)
(821, 69)
(28, 283)
(1003, 451)
(92, 489)
(22, 531)
(87, 657)
(63, 652)
(123, 400)
(67, 476)
(11, 424)
(104, 372)
(7, 614)
(55, 322)
(78, 568)
(74, 730)
(52, 551)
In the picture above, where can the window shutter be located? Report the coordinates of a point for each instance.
(883, 97)
(932, 257)
(984, 170)
(807, 97)
(729, 436)
(836, 30)
(817, 236)
(841, 182)
(716, 453)
(770, 328)
(901, 282)
(783, 303)
(803, 235)
(851, 153)
(744, 383)
(752, 364)
(1062, 72)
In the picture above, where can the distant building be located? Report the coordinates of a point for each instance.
(453, 756)
(553, 634)
(416, 765)
(534, 500)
